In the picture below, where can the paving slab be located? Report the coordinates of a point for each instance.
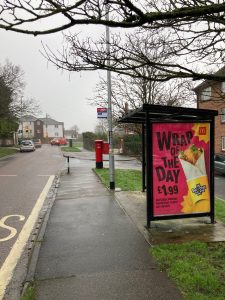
(169, 231)
(126, 285)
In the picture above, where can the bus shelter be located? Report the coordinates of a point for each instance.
(177, 160)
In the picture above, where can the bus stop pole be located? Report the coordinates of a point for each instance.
(111, 154)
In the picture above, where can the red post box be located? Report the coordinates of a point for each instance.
(105, 148)
(98, 154)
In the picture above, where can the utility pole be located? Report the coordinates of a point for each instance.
(21, 113)
(111, 153)
(46, 126)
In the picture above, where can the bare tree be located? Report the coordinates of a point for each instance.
(13, 76)
(193, 31)
(130, 93)
(145, 88)
(12, 79)
(28, 106)
(101, 127)
(75, 131)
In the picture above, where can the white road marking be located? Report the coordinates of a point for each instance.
(44, 175)
(12, 230)
(4, 175)
(6, 271)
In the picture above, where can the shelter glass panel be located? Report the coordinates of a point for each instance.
(181, 168)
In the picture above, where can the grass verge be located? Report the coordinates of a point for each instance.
(29, 293)
(127, 180)
(71, 149)
(220, 210)
(197, 268)
(5, 151)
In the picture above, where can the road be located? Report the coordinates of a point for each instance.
(22, 178)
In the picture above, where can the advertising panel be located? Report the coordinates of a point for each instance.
(181, 157)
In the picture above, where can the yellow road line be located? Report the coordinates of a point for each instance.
(6, 271)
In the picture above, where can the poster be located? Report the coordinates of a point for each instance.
(181, 157)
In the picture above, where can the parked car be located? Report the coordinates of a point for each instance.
(55, 141)
(27, 145)
(63, 141)
(58, 141)
(219, 163)
(37, 143)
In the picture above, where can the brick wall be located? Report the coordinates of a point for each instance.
(219, 126)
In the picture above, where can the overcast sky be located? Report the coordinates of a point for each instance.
(63, 96)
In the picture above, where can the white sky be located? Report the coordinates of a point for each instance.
(63, 96)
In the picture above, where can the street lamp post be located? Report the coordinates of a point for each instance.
(111, 154)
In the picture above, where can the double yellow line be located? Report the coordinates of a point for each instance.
(7, 269)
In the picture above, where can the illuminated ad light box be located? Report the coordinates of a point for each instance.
(181, 168)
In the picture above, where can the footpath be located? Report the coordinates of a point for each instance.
(91, 248)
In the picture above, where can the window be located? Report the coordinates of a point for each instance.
(56, 126)
(223, 143)
(38, 131)
(223, 114)
(38, 123)
(56, 134)
(206, 93)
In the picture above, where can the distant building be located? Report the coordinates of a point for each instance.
(52, 128)
(211, 95)
(41, 128)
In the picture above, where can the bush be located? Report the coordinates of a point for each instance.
(90, 137)
(132, 145)
(7, 127)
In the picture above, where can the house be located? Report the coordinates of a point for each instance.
(211, 95)
(30, 127)
(41, 128)
(52, 128)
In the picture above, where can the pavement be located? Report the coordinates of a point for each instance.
(94, 244)
(91, 248)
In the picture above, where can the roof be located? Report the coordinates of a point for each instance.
(28, 118)
(167, 113)
(50, 121)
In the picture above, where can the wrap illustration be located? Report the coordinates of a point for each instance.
(192, 160)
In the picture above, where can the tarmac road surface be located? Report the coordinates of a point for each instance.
(23, 178)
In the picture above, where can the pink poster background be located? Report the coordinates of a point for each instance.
(169, 181)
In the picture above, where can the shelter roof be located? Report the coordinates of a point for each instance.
(167, 113)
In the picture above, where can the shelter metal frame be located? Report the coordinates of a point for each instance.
(148, 114)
